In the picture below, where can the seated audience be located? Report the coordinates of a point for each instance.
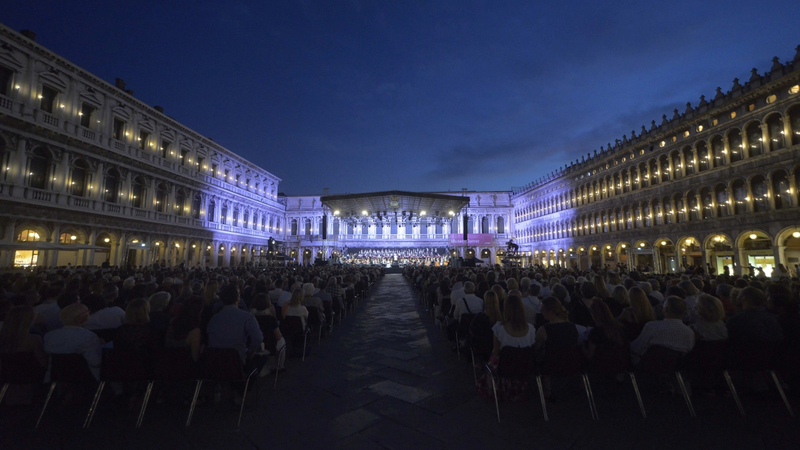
(755, 323)
(710, 315)
(136, 333)
(670, 332)
(73, 338)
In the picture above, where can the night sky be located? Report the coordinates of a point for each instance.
(360, 96)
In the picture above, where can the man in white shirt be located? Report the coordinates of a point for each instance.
(530, 299)
(287, 295)
(469, 304)
(73, 338)
(670, 332)
(106, 317)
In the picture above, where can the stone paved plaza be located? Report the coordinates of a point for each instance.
(387, 379)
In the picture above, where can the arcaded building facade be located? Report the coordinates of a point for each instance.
(713, 185)
(91, 175)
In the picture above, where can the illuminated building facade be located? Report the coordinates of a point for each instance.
(716, 184)
(92, 175)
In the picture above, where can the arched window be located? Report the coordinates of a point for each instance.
(263, 223)
(28, 236)
(707, 203)
(739, 197)
(307, 227)
(668, 210)
(760, 194)
(161, 197)
(721, 194)
(212, 206)
(702, 157)
(755, 139)
(294, 227)
(777, 139)
(688, 158)
(718, 150)
(197, 205)
(782, 190)
(676, 165)
(647, 213)
(735, 145)
(654, 174)
(693, 209)
(180, 202)
(246, 219)
(794, 124)
(485, 225)
(39, 168)
(111, 188)
(235, 218)
(138, 194)
(665, 168)
(223, 216)
(79, 185)
(658, 210)
(501, 225)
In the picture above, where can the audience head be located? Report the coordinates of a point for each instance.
(189, 317)
(138, 311)
(308, 289)
(492, 307)
(620, 294)
(74, 315)
(588, 289)
(641, 306)
(229, 295)
(603, 318)
(297, 297)
(709, 308)
(514, 312)
(674, 307)
(688, 287)
(751, 297)
(552, 308)
(159, 301)
(469, 287)
(261, 302)
(16, 327)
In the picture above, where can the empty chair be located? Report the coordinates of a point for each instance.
(224, 364)
(122, 366)
(613, 360)
(707, 362)
(66, 368)
(564, 361)
(293, 330)
(174, 365)
(515, 365)
(19, 368)
(314, 322)
(757, 357)
(660, 360)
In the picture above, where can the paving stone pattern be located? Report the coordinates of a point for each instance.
(388, 379)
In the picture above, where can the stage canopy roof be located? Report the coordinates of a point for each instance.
(395, 203)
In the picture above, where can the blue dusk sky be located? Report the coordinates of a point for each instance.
(361, 96)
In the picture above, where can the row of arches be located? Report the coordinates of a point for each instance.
(746, 252)
(758, 193)
(776, 131)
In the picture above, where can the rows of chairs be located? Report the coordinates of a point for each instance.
(709, 360)
(162, 366)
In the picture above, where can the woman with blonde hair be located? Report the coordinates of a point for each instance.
(501, 296)
(514, 331)
(15, 336)
(480, 329)
(294, 307)
(618, 300)
(136, 333)
(639, 313)
(602, 289)
(710, 314)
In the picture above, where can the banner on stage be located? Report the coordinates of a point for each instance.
(473, 239)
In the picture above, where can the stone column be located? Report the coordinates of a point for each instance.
(21, 164)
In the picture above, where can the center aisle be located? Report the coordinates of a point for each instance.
(385, 379)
